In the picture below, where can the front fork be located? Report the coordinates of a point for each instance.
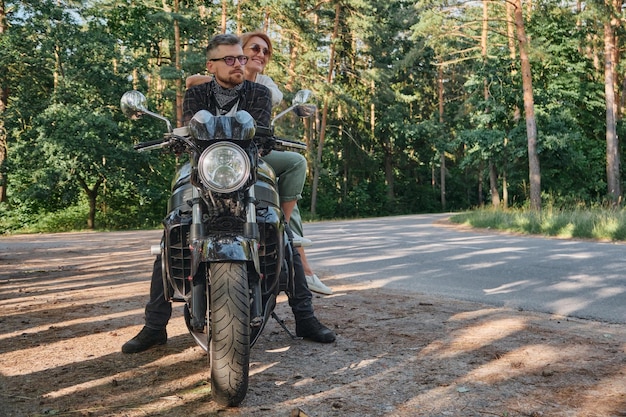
(251, 230)
(199, 293)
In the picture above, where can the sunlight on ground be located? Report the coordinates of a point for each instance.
(160, 363)
(525, 360)
(68, 323)
(476, 336)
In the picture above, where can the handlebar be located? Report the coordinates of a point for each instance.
(279, 144)
(153, 144)
(287, 145)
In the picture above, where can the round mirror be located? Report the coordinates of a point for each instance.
(301, 97)
(133, 104)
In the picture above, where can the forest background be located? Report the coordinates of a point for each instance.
(423, 106)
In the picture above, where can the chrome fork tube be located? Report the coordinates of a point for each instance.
(251, 228)
(199, 286)
(196, 231)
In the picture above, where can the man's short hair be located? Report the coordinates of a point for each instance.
(221, 39)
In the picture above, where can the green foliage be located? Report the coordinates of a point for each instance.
(64, 66)
(64, 220)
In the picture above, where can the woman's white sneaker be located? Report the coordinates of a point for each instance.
(317, 286)
(301, 242)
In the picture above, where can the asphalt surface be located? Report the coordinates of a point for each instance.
(417, 254)
(574, 278)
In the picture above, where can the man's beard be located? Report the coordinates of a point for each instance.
(231, 80)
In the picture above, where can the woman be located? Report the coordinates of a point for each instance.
(258, 47)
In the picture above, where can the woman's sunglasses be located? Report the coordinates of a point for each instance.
(257, 48)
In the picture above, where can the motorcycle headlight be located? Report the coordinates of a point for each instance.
(224, 167)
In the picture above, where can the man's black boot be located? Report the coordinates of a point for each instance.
(312, 329)
(144, 340)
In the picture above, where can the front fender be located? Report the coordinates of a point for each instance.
(226, 248)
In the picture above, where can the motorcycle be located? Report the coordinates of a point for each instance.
(226, 252)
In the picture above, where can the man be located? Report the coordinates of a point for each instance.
(225, 94)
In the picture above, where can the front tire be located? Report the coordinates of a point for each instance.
(230, 333)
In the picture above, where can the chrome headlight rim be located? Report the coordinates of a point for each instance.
(227, 157)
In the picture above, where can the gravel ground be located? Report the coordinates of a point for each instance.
(69, 301)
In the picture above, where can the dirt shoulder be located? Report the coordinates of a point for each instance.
(69, 301)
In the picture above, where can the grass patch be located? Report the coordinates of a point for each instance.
(596, 223)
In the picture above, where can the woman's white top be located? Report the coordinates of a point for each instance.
(277, 95)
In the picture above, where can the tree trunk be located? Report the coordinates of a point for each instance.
(3, 17)
(91, 219)
(505, 191)
(493, 173)
(510, 30)
(529, 110)
(179, 81)
(3, 149)
(4, 99)
(224, 15)
(493, 185)
(322, 130)
(442, 151)
(612, 146)
(293, 59)
(389, 178)
(388, 147)
(239, 18)
(481, 201)
(92, 196)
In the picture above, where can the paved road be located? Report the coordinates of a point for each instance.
(413, 254)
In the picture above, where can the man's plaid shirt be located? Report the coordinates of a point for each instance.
(254, 98)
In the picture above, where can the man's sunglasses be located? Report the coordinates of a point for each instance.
(257, 48)
(230, 60)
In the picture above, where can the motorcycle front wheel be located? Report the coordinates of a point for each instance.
(229, 343)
